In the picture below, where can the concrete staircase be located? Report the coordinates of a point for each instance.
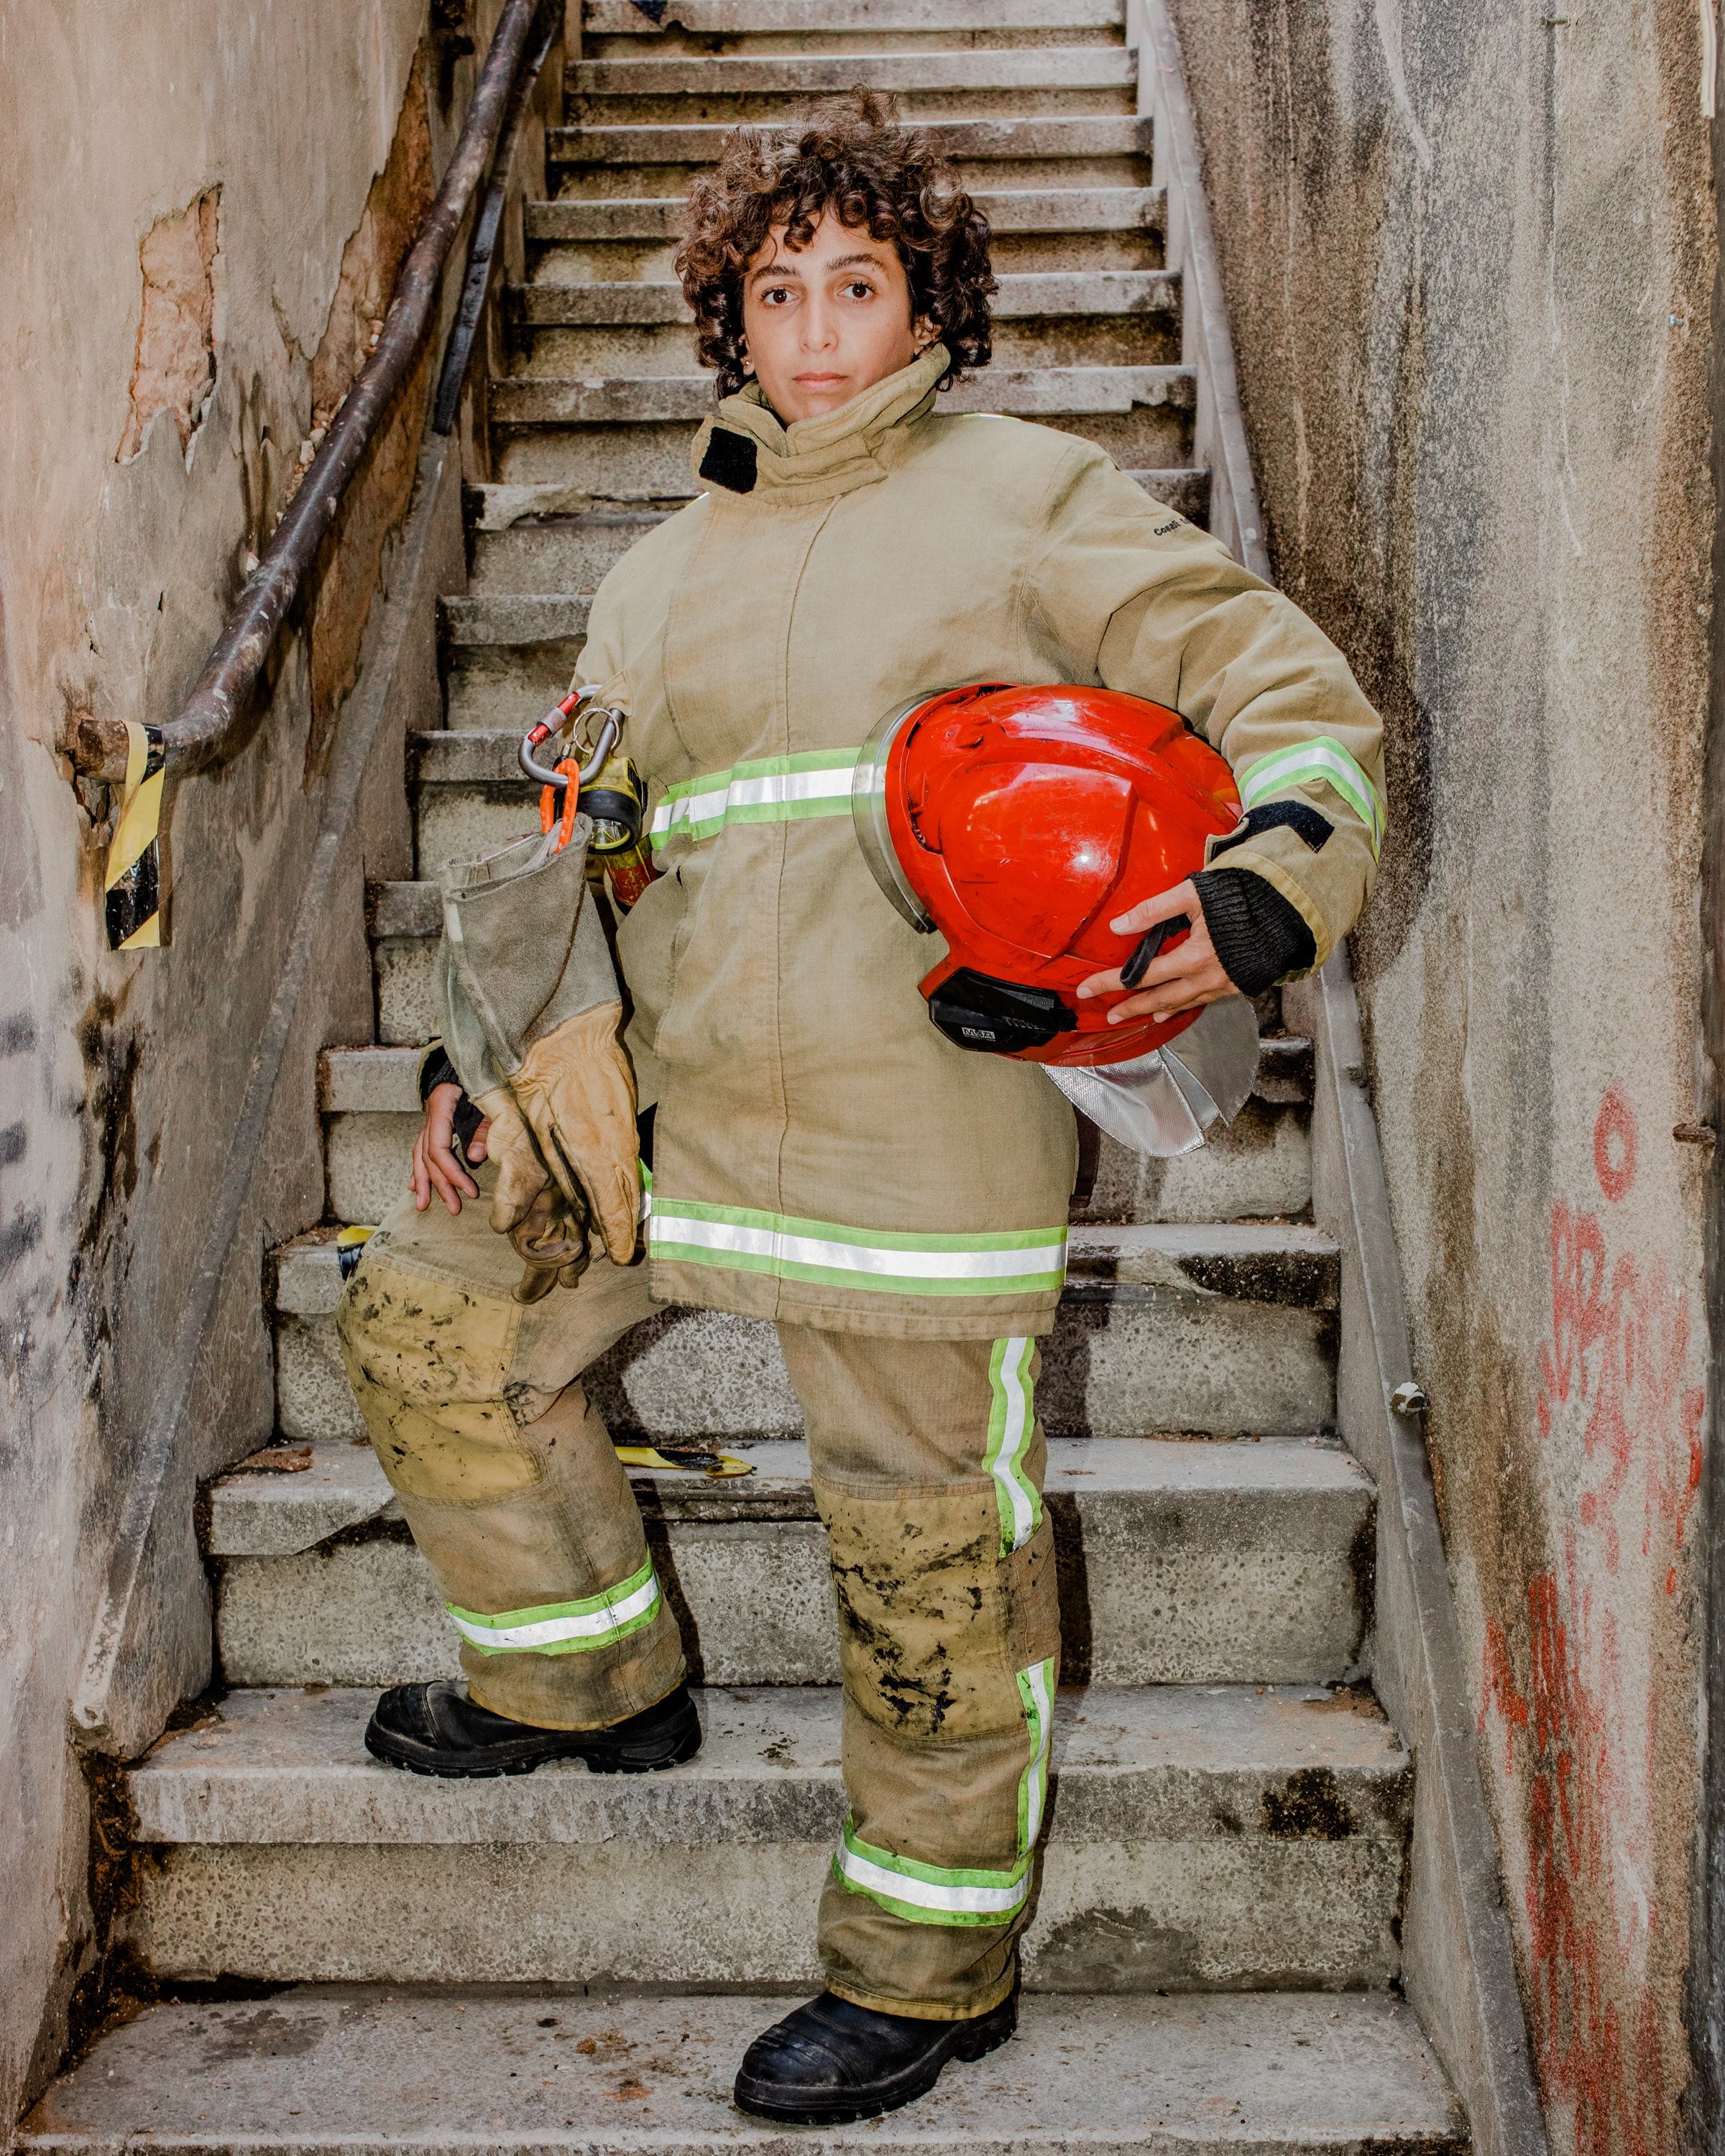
(1215, 1954)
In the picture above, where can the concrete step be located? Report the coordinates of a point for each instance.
(1199, 1839)
(710, 18)
(1048, 393)
(1110, 292)
(967, 142)
(342, 2070)
(1010, 212)
(1219, 1563)
(1224, 1331)
(737, 80)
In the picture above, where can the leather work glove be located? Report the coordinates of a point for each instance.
(575, 1093)
(549, 1237)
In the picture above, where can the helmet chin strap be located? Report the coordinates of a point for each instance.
(1163, 1104)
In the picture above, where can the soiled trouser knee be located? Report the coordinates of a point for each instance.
(504, 1469)
(928, 1467)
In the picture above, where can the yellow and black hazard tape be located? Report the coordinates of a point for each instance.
(132, 889)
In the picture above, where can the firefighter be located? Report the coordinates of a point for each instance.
(818, 1154)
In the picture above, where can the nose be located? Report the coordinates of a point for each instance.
(820, 332)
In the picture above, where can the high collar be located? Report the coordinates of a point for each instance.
(750, 453)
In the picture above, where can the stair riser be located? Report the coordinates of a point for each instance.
(789, 108)
(1147, 1360)
(677, 86)
(1207, 1589)
(1148, 339)
(627, 180)
(607, 21)
(509, 684)
(1201, 1910)
(780, 44)
(568, 555)
(651, 261)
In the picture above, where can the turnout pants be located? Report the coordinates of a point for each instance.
(928, 1463)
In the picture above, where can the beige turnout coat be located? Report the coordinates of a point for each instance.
(821, 1153)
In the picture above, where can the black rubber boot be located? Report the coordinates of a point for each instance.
(437, 1729)
(831, 2062)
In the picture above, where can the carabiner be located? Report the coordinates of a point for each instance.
(553, 722)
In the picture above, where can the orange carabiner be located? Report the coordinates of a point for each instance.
(569, 769)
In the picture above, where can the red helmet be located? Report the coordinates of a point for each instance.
(1019, 823)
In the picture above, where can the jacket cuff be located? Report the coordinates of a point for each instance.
(435, 1069)
(1259, 936)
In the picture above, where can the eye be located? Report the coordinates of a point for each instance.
(775, 296)
(858, 288)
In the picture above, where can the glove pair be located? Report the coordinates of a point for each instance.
(564, 1138)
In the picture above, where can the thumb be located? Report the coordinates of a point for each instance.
(1182, 899)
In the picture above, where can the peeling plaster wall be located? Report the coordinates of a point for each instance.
(179, 185)
(1470, 266)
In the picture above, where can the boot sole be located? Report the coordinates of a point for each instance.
(486, 1766)
(988, 2036)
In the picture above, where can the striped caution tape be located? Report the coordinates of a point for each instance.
(132, 890)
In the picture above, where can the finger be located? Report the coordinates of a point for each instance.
(1170, 1000)
(447, 1169)
(419, 1181)
(616, 1201)
(1192, 956)
(476, 1149)
(1182, 899)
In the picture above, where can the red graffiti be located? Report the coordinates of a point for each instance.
(1583, 1745)
(1614, 1146)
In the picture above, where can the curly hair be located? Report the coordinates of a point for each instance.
(854, 158)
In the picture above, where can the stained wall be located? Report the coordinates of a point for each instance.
(1469, 256)
(201, 205)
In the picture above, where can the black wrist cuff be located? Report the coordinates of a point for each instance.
(436, 1070)
(1259, 936)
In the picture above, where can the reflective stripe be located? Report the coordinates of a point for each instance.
(1320, 762)
(1036, 1693)
(565, 1628)
(1012, 1424)
(774, 790)
(1026, 1262)
(935, 1894)
(929, 1893)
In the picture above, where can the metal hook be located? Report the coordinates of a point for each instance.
(610, 732)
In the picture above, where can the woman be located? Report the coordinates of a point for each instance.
(820, 1155)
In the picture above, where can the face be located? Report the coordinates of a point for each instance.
(822, 323)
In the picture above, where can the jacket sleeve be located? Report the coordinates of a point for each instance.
(1124, 592)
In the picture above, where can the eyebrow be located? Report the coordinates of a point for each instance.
(790, 269)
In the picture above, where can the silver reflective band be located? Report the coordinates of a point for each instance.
(1320, 762)
(561, 1627)
(771, 790)
(824, 1251)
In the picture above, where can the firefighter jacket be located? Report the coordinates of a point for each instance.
(822, 1154)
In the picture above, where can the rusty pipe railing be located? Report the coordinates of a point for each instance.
(481, 253)
(211, 724)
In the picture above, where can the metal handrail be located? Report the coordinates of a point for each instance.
(458, 356)
(212, 722)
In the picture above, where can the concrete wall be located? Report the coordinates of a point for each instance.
(198, 234)
(1470, 271)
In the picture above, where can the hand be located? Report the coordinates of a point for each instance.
(576, 1093)
(1183, 978)
(437, 1166)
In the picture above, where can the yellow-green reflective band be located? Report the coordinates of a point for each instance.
(684, 1231)
(564, 1628)
(929, 1893)
(1320, 762)
(1012, 1425)
(1036, 1696)
(773, 789)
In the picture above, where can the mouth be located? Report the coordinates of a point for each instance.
(819, 381)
